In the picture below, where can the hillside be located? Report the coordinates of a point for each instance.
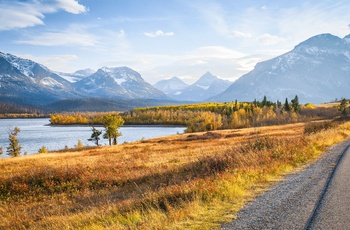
(317, 70)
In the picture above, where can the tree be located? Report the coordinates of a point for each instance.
(95, 136)
(14, 149)
(264, 102)
(295, 104)
(111, 124)
(286, 105)
(342, 107)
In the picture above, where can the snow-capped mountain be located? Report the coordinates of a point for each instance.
(205, 87)
(77, 75)
(37, 73)
(171, 87)
(317, 70)
(25, 81)
(120, 82)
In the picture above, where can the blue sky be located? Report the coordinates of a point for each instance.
(164, 38)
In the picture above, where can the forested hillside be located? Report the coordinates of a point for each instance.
(12, 111)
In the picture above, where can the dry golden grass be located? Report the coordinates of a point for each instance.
(185, 181)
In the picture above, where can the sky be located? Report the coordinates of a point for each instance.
(161, 39)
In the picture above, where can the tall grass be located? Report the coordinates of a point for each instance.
(176, 183)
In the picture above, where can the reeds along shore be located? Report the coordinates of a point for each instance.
(184, 181)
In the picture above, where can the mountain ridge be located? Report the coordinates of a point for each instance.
(206, 86)
(317, 70)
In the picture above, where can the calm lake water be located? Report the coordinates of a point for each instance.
(36, 133)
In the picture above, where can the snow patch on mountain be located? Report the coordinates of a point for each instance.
(205, 87)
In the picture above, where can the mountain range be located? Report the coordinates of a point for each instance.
(205, 87)
(317, 70)
(25, 82)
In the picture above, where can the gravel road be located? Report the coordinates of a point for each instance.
(333, 211)
(295, 202)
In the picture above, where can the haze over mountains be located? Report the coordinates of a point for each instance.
(205, 87)
(317, 70)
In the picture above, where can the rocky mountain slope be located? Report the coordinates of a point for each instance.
(25, 82)
(171, 87)
(121, 82)
(317, 70)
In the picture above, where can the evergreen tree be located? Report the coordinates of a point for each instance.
(342, 107)
(255, 103)
(264, 102)
(95, 136)
(14, 149)
(295, 104)
(287, 106)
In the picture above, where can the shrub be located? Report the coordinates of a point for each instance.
(43, 150)
(315, 127)
(80, 144)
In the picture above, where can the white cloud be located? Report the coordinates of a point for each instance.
(214, 52)
(17, 14)
(240, 34)
(71, 6)
(198, 62)
(268, 39)
(12, 18)
(121, 34)
(214, 15)
(70, 37)
(158, 33)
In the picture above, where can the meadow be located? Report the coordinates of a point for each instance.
(186, 181)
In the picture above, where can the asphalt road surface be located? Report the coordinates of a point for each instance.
(317, 197)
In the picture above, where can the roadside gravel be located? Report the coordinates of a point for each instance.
(290, 203)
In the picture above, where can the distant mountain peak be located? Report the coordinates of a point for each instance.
(206, 80)
(122, 82)
(84, 72)
(122, 72)
(170, 86)
(323, 41)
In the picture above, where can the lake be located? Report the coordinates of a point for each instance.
(36, 133)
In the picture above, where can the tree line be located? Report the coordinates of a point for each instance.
(212, 116)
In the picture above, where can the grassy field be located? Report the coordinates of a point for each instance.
(185, 181)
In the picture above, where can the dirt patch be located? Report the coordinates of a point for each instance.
(205, 136)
